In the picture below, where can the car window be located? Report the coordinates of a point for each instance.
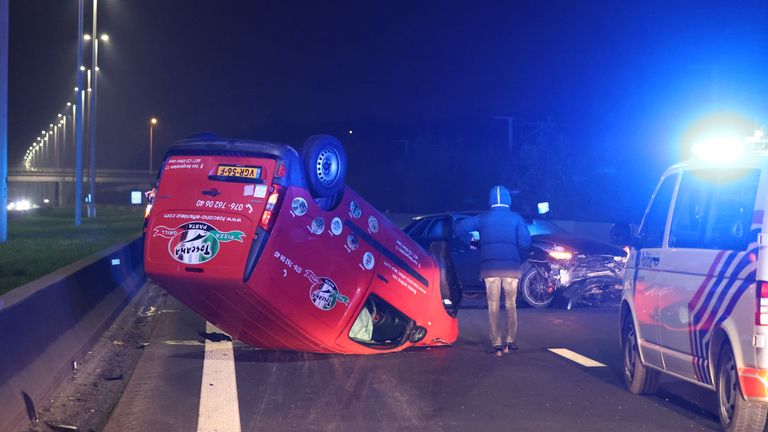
(713, 209)
(540, 226)
(438, 229)
(652, 230)
(416, 228)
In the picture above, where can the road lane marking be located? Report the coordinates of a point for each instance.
(219, 409)
(235, 344)
(576, 357)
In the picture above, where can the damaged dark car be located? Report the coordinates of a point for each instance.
(560, 265)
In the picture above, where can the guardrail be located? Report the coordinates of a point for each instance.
(48, 324)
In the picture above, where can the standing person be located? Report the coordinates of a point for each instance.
(504, 240)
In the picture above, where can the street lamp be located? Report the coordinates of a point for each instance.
(94, 68)
(152, 123)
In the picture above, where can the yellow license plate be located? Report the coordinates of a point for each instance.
(238, 171)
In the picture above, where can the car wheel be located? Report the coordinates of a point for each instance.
(325, 164)
(638, 378)
(535, 289)
(736, 414)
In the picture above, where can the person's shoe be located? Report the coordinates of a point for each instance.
(496, 350)
(511, 346)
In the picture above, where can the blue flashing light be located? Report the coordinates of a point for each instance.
(719, 149)
(543, 207)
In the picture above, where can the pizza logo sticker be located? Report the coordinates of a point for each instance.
(336, 226)
(373, 225)
(196, 242)
(354, 209)
(318, 226)
(368, 261)
(324, 293)
(299, 206)
(352, 242)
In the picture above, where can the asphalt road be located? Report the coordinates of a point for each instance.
(456, 388)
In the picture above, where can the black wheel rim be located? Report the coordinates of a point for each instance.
(536, 289)
(727, 390)
(630, 356)
(328, 166)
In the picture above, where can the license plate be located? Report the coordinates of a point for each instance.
(249, 172)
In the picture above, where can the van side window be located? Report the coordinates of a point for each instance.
(651, 233)
(714, 209)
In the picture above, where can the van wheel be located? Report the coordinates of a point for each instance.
(638, 378)
(535, 289)
(736, 414)
(325, 164)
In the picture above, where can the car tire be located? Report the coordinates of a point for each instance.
(736, 413)
(533, 288)
(325, 165)
(639, 378)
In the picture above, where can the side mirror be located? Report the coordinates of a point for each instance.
(621, 234)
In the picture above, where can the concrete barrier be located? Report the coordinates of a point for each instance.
(48, 324)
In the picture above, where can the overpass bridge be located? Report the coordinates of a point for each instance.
(68, 175)
(113, 186)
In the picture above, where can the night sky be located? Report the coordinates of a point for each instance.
(623, 82)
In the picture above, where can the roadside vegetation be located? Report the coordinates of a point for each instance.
(44, 240)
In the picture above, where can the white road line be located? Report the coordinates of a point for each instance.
(576, 357)
(219, 409)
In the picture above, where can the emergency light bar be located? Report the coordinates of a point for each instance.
(726, 149)
(757, 142)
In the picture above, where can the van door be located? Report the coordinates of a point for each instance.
(205, 214)
(647, 256)
(707, 266)
(465, 259)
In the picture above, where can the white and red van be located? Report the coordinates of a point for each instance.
(695, 296)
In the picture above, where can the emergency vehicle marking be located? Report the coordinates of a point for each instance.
(708, 313)
(195, 242)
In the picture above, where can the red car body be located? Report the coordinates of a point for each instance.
(235, 234)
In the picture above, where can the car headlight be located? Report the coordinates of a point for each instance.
(560, 255)
(557, 252)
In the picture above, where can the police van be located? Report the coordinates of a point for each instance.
(695, 296)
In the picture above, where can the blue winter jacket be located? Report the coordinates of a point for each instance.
(504, 241)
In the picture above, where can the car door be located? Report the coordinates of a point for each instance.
(646, 258)
(704, 268)
(465, 259)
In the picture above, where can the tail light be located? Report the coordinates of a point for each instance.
(273, 206)
(761, 310)
(150, 194)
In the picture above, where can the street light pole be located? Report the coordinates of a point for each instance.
(95, 69)
(3, 120)
(152, 123)
(79, 123)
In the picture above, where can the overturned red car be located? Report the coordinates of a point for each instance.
(274, 249)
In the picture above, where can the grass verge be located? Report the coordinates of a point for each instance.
(44, 240)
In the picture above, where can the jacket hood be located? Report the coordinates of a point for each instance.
(499, 197)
